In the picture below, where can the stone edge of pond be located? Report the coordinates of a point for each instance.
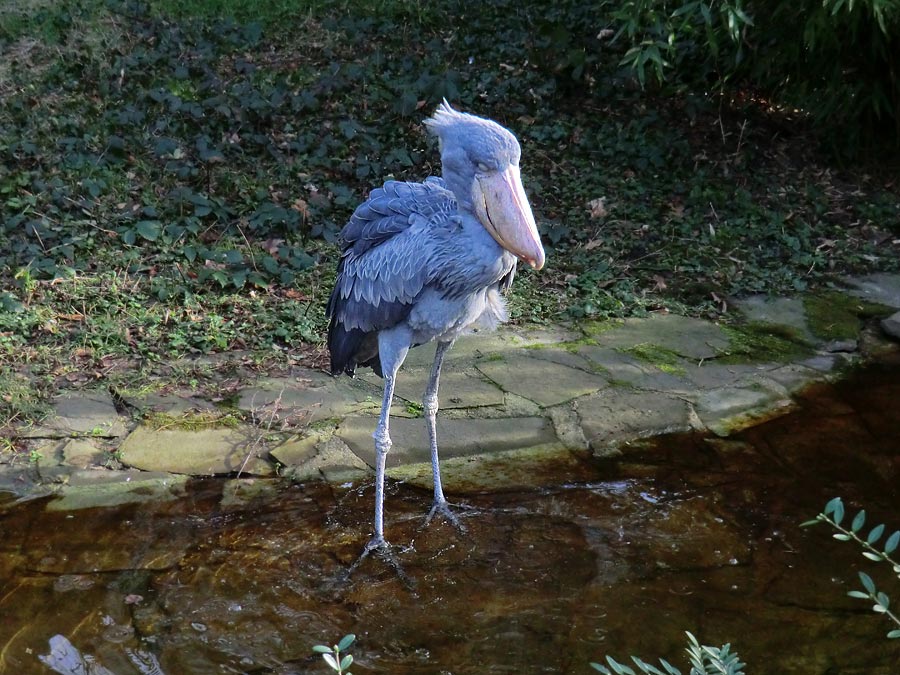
(515, 397)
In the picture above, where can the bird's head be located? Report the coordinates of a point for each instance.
(480, 163)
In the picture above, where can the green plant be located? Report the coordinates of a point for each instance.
(834, 60)
(332, 655)
(414, 409)
(663, 35)
(833, 514)
(112, 459)
(705, 660)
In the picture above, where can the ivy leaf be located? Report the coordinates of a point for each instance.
(148, 229)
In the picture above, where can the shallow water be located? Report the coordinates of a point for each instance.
(614, 557)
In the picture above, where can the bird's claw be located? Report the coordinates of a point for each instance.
(442, 507)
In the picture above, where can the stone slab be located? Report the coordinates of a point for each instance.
(170, 404)
(827, 363)
(539, 380)
(724, 411)
(314, 395)
(298, 449)
(881, 288)
(793, 377)
(320, 457)
(81, 453)
(461, 386)
(206, 452)
(568, 356)
(685, 336)
(617, 366)
(617, 415)
(456, 437)
(481, 344)
(712, 375)
(788, 312)
(90, 413)
(96, 489)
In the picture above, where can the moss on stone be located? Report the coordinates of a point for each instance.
(659, 357)
(592, 329)
(759, 341)
(326, 424)
(832, 315)
(571, 346)
(191, 421)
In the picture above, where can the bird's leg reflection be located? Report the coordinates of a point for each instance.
(430, 406)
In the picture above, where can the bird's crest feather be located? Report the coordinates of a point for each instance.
(445, 116)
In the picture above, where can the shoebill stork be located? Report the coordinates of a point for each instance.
(429, 261)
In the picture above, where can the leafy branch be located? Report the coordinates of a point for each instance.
(705, 660)
(833, 514)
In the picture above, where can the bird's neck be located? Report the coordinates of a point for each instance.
(461, 187)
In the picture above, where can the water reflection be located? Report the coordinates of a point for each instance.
(687, 533)
(65, 659)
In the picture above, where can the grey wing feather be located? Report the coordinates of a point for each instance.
(389, 210)
(385, 260)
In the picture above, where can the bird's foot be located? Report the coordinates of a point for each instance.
(377, 544)
(442, 507)
(381, 549)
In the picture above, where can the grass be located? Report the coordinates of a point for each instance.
(173, 178)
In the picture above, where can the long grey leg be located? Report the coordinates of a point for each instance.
(392, 350)
(430, 405)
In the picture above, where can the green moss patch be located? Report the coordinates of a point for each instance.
(837, 316)
(191, 421)
(664, 359)
(758, 341)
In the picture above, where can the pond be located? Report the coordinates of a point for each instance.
(616, 557)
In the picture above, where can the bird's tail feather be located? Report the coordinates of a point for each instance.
(352, 348)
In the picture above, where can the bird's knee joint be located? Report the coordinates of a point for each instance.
(430, 405)
(382, 441)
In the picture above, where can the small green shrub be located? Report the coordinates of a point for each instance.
(705, 660)
(332, 655)
(833, 514)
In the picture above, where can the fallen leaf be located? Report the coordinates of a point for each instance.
(597, 207)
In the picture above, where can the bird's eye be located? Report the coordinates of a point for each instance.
(482, 167)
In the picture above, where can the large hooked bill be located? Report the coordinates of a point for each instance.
(503, 209)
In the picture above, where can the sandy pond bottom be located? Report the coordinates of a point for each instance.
(615, 557)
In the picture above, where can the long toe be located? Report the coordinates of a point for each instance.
(442, 507)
